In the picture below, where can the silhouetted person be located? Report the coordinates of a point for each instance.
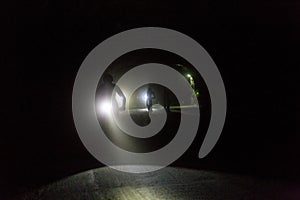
(149, 100)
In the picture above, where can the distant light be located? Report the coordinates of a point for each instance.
(105, 107)
(188, 75)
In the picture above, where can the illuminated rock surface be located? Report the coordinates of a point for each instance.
(168, 183)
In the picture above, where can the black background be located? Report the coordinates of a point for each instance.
(254, 44)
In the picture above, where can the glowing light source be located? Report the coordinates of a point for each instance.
(145, 97)
(105, 107)
(188, 75)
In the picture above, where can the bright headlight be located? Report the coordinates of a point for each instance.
(145, 97)
(105, 107)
